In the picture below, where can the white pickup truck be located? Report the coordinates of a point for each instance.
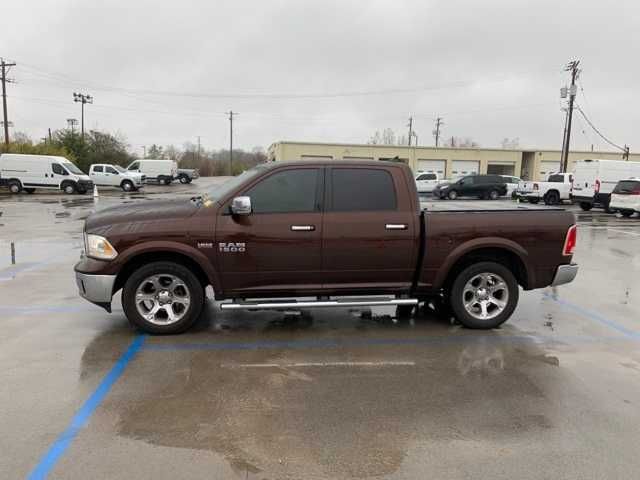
(107, 175)
(554, 191)
(426, 181)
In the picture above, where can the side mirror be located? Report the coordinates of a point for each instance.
(241, 206)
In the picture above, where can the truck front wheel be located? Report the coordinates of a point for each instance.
(586, 206)
(163, 298)
(184, 179)
(127, 186)
(484, 295)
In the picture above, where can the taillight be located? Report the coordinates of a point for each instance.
(535, 186)
(570, 240)
(597, 186)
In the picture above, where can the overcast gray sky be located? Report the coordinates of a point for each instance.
(165, 72)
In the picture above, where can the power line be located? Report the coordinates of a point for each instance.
(623, 149)
(83, 99)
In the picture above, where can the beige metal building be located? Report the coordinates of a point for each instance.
(449, 162)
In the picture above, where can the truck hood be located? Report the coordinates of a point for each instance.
(140, 213)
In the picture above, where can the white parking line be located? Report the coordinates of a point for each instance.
(603, 227)
(319, 364)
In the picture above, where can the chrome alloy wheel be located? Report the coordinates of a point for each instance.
(162, 299)
(485, 296)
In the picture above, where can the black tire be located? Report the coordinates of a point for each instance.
(626, 213)
(608, 209)
(586, 206)
(493, 195)
(404, 311)
(127, 186)
(183, 179)
(534, 201)
(69, 188)
(30, 190)
(457, 296)
(552, 198)
(15, 186)
(452, 195)
(167, 181)
(195, 290)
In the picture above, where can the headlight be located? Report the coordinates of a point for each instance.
(100, 248)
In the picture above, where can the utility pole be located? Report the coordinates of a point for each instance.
(144, 151)
(436, 132)
(198, 148)
(410, 125)
(625, 155)
(573, 68)
(82, 98)
(49, 135)
(4, 70)
(231, 114)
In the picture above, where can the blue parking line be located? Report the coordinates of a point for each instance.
(51, 457)
(594, 316)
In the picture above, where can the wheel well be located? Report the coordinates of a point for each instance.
(66, 182)
(145, 258)
(502, 256)
(126, 180)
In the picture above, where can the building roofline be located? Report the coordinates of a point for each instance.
(427, 147)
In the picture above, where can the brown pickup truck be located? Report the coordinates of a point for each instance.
(321, 233)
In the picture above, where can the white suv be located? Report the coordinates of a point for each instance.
(625, 198)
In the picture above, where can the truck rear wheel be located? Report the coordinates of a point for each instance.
(126, 185)
(626, 213)
(167, 181)
(552, 198)
(586, 206)
(163, 298)
(493, 195)
(184, 179)
(484, 295)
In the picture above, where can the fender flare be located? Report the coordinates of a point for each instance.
(481, 243)
(172, 247)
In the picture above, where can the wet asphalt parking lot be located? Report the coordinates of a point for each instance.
(327, 394)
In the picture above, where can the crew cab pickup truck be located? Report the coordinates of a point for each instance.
(553, 191)
(188, 175)
(320, 233)
(107, 175)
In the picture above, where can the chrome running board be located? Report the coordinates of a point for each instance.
(347, 302)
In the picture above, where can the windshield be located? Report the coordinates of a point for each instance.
(119, 168)
(72, 168)
(219, 191)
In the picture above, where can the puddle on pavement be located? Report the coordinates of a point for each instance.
(338, 422)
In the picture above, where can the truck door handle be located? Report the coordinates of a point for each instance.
(302, 228)
(396, 226)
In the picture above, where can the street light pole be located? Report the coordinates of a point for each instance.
(82, 98)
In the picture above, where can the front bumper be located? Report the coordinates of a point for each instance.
(565, 274)
(97, 289)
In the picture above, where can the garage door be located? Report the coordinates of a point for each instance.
(432, 166)
(501, 168)
(460, 168)
(546, 168)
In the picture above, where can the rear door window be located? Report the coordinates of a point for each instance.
(361, 189)
(427, 176)
(288, 191)
(556, 178)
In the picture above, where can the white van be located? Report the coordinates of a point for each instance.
(28, 172)
(107, 175)
(594, 180)
(161, 171)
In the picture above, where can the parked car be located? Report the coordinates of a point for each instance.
(187, 175)
(426, 181)
(327, 230)
(27, 172)
(626, 197)
(553, 191)
(594, 180)
(481, 186)
(160, 171)
(107, 175)
(512, 184)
